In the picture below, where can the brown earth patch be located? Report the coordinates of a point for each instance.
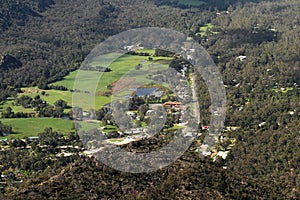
(127, 83)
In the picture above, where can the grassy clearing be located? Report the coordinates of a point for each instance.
(33, 126)
(150, 51)
(50, 97)
(120, 67)
(207, 27)
(68, 81)
(87, 126)
(191, 2)
(11, 103)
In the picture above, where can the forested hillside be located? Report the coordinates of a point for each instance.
(53, 42)
(255, 45)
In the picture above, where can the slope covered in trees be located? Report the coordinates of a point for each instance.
(57, 40)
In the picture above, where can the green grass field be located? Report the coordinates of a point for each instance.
(33, 126)
(52, 96)
(120, 67)
(87, 126)
(68, 81)
(150, 51)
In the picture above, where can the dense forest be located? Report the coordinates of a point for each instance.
(255, 45)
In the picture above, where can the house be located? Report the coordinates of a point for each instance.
(291, 112)
(189, 57)
(262, 124)
(3, 177)
(172, 105)
(33, 138)
(215, 152)
(223, 154)
(131, 114)
(204, 149)
(64, 155)
(133, 47)
(129, 48)
(85, 114)
(241, 58)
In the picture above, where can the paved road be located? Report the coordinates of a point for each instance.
(195, 100)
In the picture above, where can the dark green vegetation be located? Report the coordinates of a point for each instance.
(204, 4)
(51, 38)
(191, 2)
